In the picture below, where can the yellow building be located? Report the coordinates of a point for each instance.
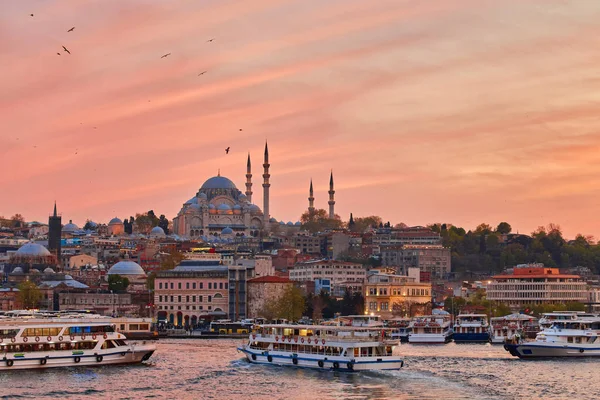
(392, 296)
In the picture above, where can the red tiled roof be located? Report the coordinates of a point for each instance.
(269, 279)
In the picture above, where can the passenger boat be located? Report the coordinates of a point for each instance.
(575, 336)
(431, 329)
(46, 343)
(471, 328)
(401, 328)
(338, 348)
(503, 329)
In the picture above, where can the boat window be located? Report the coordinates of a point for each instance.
(8, 333)
(41, 332)
(134, 327)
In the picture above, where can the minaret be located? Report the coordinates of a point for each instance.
(266, 185)
(249, 180)
(311, 199)
(54, 233)
(331, 199)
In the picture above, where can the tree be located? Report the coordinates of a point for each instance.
(291, 304)
(117, 283)
(89, 226)
(171, 260)
(318, 221)
(401, 225)
(361, 224)
(483, 229)
(163, 222)
(503, 228)
(29, 295)
(17, 221)
(144, 223)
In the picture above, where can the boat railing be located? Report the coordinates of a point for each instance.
(323, 339)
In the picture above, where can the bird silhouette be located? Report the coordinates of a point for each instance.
(31, 15)
(166, 55)
(240, 129)
(227, 150)
(71, 30)
(67, 50)
(202, 73)
(210, 40)
(58, 54)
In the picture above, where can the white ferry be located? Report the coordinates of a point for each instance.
(471, 328)
(401, 328)
(342, 348)
(45, 343)
(431, 329)
(504, 329)
(577, 336)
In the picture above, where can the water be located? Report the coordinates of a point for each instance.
(212, 369)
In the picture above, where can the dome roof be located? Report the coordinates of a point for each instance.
(202, 196)
(282, 223)
(223, 207)
(218, 182)
(126, 267)
(272, 219)
(290, 223)
(191, 201)
(237, 207)
(115, 221)
(70, 227)
(254, 208)
(298, 223)
(33, 249)
(227, 231)
(49, 271)
(157, 231)
(17, 270)
(211, 206)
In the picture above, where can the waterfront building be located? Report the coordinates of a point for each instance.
(102, 303)
(336, 271)
(265, 291)
(435, 259)
(536, 284)
(396, 295)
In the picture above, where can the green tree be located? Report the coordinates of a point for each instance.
(361, 224)
(503, 228)
(29, 295)
(117, 283)
(163, 222)
(17, 221)
(291, 304)
(318, 221)
(89, 226)
(483, 229)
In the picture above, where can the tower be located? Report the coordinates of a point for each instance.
(54, 233)
(311, 199)
(331, 199)
(266, 185)
(249, 180)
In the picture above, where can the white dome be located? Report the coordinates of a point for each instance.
(17, 270)
(115, 221)
(157, 231)
(49, 271)
(33, 249)
(126, 267)
(227, 231)
(70, 227)
(223, 207)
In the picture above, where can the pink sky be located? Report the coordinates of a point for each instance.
(427, 111)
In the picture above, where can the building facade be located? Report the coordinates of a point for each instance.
(336, 271)
(396, 296)
(535, 284)
(435, 259)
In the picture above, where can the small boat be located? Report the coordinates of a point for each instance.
(504, 329)
(401, 328)
(324, 347)
(576, 335)
(47, 343)
(471, 328)
(431, 329)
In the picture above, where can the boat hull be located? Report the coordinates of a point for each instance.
(471, 337)
(89, 358)
(545, 350)
(316, 362)
(429, 339)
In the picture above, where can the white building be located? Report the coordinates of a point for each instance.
(336, 271)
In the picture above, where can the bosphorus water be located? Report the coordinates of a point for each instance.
(213, 369)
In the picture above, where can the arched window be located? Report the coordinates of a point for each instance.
(218, 296)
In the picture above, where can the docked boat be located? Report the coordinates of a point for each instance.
(505, 329)
(431, 329)
(471, 328)
(400, 328)
(47, 343)
(575, 336)
(339, 348)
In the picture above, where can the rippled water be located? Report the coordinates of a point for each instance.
(212, 369)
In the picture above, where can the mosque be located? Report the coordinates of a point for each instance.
(219, 208)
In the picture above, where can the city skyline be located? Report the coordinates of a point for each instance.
(445, 111)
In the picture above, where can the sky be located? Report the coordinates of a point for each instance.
(456, 111)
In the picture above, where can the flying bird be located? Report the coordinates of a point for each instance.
(166, 55)
(58, 54)
(202, 73)
(210, 40)
(240, 129)
(31, 15)
(67, 50)
(71, 30)
(227, 150)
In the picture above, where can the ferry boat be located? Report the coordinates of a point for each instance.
(504, 329)
(46, 343)
(431, 329)
(401, 328)
(338, 348)
(575, 336)
(471, 328)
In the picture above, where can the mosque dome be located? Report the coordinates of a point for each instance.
(115, 221)
(33, 250)
(298, 223)
(218, 182)
(49, 271)
(193, 200)
(281, 223)
(126, 267)
(254, 209)
(224, 209)
(202, 196)
(212, 209)
(243, 198)
(17, 270)
(157, 231)
(290, 223)
(227, 231)
(237, 209)
(272, 220)
(70, 227)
